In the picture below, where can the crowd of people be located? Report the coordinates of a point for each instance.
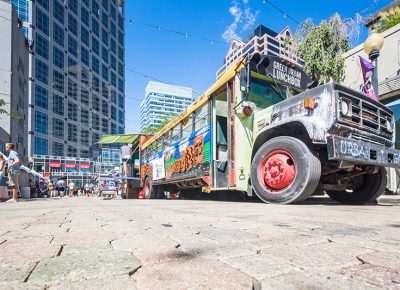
(62, 189)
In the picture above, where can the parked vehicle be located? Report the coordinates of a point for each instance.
(263, 128)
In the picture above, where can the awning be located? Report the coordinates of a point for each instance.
(125, 138)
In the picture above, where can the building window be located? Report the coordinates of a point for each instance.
(41, 97)
(95, 64)
(95, 84)
(121, 130)
(42, 46)
(72, 133)
(85, 56)
(72, 111)
(41, 71)
(85, 16)
(121, 69)
(95, 122)
(41, 122)
(58, 11)
(58, 128)
(104, 108)
(104, 52)
(104, 124)
(42, 21)
(85, 138)
(113, 97)
(58, 34)
(58, 81)
(121, 53)
(85, 97)
(85, 116)
(58, 58)
(104, 37)
(85, 36)
(113, 28)
(113, 79)
(85, 77)
(73, 68)
(85, 153)
(58, 104)
(96, 102)
(95, 27)
(44, 4)
(72, 46)
(95, 46)
(113, 62)
(114, 113)
(95, 7)
(58, 149)
(71, 151)
(72, 24)
(104, 19)
(72, 89)
(121, 101)
(120, 37)
(121, 117)
(104, 72)
(114, 128)
(41, 146)
(86, 2)
(113, 45)
(121, 85)
(73, 6)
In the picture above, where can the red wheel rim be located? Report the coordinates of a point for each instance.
(277, 170)
(146, 188)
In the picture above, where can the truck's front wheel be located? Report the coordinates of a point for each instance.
(362, 189)
(284, 170)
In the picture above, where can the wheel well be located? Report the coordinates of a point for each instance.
(294, 129)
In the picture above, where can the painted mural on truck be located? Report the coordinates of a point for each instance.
(190, 157)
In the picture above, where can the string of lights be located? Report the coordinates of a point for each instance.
(185, 34)
(281, 11)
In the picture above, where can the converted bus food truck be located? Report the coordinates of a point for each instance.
(263, 129)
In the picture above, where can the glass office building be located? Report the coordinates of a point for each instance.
(77, 73)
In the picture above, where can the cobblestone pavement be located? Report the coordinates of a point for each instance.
(90, 243)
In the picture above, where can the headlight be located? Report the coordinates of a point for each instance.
(345, 108)
(389, 125)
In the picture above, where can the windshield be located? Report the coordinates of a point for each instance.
(262, 94)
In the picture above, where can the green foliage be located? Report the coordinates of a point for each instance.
(322, 47)
(2, 104)
(388, 19)
(164, 121)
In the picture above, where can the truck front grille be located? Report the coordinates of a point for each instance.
(366, 116)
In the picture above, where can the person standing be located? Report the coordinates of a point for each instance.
(14, 167)
(87, 189)
(3, 179)
(125, 152)
(60, 185)
(71, 187)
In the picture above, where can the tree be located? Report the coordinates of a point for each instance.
(164, 121)
(322, 47)
(388, 19)
(2, 104)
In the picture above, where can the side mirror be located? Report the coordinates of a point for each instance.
(244, 86)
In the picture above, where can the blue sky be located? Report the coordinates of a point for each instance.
(191, 62)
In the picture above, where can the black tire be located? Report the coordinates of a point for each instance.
(306, 177)
(369, 188)
(150, 192)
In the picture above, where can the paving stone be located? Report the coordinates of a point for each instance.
(304, 280)
(85, 248)
(331, 256)
(259, 266)
(10, 272)
(27, 250)
(384, 259)
(376, 275)
(111, 283)
(15, 285)
(221, 234)
(142, 241)
(192, 273)
(376, 243)
(84, 266)
(83, 237)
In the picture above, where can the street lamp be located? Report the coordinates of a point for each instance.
(372, 46)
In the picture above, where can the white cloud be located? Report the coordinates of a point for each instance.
(243, 19)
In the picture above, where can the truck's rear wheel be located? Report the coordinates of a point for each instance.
(284, 170)
(365, 188)
(149, 190)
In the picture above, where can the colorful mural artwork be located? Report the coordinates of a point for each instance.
(189, 157)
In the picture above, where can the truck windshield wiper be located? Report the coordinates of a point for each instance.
(275, 89)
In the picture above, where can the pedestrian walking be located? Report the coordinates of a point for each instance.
(87, 189)
(13, 170)
(71, 188)
(60, 186)
(3, 178)
(51, 190)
